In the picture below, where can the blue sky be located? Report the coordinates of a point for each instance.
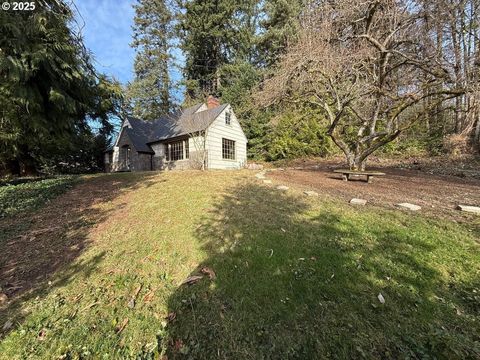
(107, 31)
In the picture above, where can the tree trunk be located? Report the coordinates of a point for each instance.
(13, 167)
(458, 70)
(26, 163)
(355, 162)
(477, 131)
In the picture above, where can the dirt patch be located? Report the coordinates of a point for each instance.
(434, 193)
(462, 166)
(35, 246)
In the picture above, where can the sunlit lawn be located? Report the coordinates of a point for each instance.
(295, 277)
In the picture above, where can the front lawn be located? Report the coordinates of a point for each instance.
(284, 276)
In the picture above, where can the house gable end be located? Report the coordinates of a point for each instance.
(221, 132)
(235, 124)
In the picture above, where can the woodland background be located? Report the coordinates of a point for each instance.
(306, 78)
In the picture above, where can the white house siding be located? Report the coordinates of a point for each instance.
(196, 149)
(218, 130)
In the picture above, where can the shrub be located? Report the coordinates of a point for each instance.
(298, 134)
(30, 195)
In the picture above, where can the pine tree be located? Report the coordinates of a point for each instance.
(210, 36)
(150, 93)
(280, 25)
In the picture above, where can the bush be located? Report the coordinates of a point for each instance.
(456, 144)
(299, 134)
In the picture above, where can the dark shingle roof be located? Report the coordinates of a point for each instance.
(180, 123)
(138, 140)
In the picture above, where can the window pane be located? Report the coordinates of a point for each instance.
(176, 151)
(227, 118)
(228, 149)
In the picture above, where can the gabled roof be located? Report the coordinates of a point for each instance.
(182, 122)
(138, 140)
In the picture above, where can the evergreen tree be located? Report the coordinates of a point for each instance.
(150, 93)
(48, 87)
(213, 34)
(280, 25)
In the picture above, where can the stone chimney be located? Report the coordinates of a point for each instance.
(212, 102)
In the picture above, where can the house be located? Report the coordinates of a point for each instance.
(202, 136)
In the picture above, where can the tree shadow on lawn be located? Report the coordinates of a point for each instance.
(40, 250)
(295, 283)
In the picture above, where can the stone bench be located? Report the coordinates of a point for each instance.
(347, 173)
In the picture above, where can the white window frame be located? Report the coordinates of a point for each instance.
(185, 151)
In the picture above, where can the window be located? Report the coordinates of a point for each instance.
(175, 150)
(228, 149)
(228, 118)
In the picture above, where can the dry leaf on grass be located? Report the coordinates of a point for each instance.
(3, 298)
(91, 305)
(207, 271)
(131, 302)
(192, 280)
(137, 291)
(122, 326)
(77, 298)
(73, 314)
(178, 345)
(149, 296)
(171, 316)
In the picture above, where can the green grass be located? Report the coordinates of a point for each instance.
(15, 199)
(296, 278)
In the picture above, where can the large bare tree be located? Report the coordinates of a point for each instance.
(366, 65)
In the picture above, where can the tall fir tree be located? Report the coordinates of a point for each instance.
(150, 95)
(49, 90)
(279, 27)
(212, 34)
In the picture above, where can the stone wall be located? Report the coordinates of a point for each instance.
(159, 157)
(138, 161)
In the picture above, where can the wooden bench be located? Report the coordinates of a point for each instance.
(347, 173)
